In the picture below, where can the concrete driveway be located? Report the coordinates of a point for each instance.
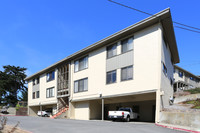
(47, 125)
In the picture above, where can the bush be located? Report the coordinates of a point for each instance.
(195, 103)
(18, 106)
(194, 91)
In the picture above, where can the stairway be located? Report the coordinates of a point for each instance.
(60, 112)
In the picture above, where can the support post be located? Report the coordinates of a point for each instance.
(102, 109)
(40, 107)
(177, 87)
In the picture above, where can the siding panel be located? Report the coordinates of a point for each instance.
(119, 61)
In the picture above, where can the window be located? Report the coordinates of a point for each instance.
(50, 92)
(37, 94)
(33, 95)
(81, 85)
(50, 76)
(111, 77)
(33, 81)
(180, 74)
(192, 78)
(127, 44)
(111, 51)
(164, 69)
(81, 64)
(127, 73)
(36, 81)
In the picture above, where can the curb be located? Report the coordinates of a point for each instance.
(176, 128)
(13, 115)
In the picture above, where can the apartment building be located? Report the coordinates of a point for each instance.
(184, 80)
(131, 68)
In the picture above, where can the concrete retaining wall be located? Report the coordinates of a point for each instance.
(12, 110)
(189, 120)
(186, 98)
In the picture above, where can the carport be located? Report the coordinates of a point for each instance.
(142, 103)
(32, 110)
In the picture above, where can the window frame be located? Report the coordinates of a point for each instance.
(127, 39)
(37, 94)
(111, 76)
(33, 82)
(131, 66)
(33, 95)
(48, 90)
(37, 80)
(180, 74)
(85, 58)
(78, 89)
(50, 77)
(108, 48)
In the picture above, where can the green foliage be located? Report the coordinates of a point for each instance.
(18, 106)
(11, 83)
(191, 102)
(194, 91)
(196, 103)
(197, 107)
(24, 96)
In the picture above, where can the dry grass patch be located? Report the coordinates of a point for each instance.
(9, 129)
(196, 103)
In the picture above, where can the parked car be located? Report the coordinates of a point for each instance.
(123, 114)
(45, 113)
(4, 109)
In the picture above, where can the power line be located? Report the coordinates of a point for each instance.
(187, 29)
(131, 8)
(157, 16)
(186, 25)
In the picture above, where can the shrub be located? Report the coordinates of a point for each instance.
(194, 91)
(18, 106)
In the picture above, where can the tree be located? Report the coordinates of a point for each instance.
(24, 96)
(12, 82)
(3, 82)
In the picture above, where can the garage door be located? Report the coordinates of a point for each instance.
(82, 111)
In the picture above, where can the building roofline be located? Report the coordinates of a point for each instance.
(164, 17)
(178, 67)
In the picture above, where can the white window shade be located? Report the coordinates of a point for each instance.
(85, 85)
(76, 86)
(76, 64)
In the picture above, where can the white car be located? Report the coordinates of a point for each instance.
(45, 113)
(123, 114)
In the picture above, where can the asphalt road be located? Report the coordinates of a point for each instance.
(47, 125)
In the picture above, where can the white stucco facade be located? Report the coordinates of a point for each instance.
(149, 85)
(37, 103)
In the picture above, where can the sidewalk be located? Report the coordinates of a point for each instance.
(180, 128)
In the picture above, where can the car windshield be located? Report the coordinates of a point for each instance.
(124, 109)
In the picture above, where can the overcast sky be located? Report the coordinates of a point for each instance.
(37, 33)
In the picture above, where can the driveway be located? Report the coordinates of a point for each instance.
(47, 125)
